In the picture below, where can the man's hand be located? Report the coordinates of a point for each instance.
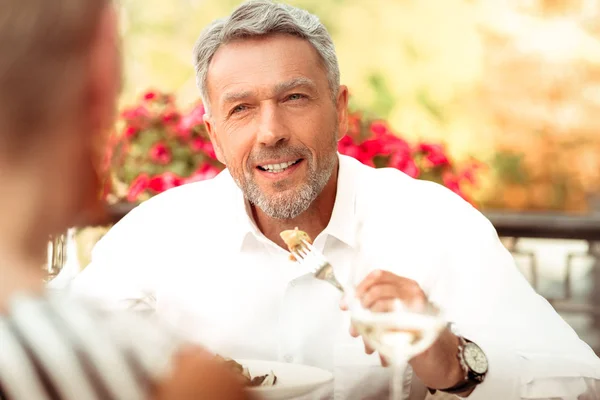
(438, 367)
(196, 375)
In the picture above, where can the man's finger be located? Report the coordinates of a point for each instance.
(384, 305)
(380, 292)
(344, 304)
(384, 361)
(369, 281)
(368, 349)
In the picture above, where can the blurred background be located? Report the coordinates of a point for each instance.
(513, 84)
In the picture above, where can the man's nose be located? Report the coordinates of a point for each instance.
(272, 128)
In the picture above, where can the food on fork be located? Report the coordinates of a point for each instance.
(294, 239)
(244, 375)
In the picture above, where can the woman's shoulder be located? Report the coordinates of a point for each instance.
(60, 347)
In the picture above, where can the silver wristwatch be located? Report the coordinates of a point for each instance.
(473, 362)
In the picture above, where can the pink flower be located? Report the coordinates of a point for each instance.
(137, 187)
(370, 148)
(404, 162)
(468, 175)
(452, 182)
(150, 95)
(201, 145)
(347, 147)
(379, 128)
(164, 181)
(160, 154)
(434, 154)
(138, 117)
(437, 159)
(189, 122)
(411, 169)
(170, 117)
(206, 171)
(130, 132)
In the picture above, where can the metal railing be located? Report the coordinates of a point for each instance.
(586, 228)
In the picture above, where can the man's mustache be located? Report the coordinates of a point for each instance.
(264, 155)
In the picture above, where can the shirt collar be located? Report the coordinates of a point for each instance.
(343, 218)
(342, 222)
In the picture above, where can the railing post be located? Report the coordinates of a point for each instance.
(57, 257)
(594, 252)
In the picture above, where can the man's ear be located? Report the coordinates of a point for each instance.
(210, 128)
(342, 111)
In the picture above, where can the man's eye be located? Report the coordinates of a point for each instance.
(296, 96)
(238, 108)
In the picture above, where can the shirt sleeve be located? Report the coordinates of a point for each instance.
(532, 352)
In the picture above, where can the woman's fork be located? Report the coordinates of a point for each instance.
(309, 256)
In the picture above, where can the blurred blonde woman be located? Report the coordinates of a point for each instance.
(59, 81)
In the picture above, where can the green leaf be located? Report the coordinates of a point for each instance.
(509, 167)
(384, 99)
(434, 109)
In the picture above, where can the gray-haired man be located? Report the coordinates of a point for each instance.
(210, 258)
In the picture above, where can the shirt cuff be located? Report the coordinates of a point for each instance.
(503, 379)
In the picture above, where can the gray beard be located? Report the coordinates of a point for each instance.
(291, 203)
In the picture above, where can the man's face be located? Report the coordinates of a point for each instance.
(273, 121)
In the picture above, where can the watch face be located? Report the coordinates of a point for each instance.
(475, 358)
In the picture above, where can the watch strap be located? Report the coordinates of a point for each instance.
(471, 379)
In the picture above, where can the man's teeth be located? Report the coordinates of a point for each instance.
(278, 167)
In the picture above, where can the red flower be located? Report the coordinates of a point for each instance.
(411, 169)
(434, 154)
(130, 132)
(137, 187)
(379, 128)
(159, 153)
(347, 147)
(164, 181)
(452, 182)
(170, 117)
(150, 95)
(206, 171)
(437, 159)
(371, 148)
(199, 144)
(468, 175)
(345, 142)
(404, 162)
(189, 122)
(138, 117)
(393, 144)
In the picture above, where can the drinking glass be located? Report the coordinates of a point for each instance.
(398, 332)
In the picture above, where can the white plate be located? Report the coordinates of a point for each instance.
(293, 380)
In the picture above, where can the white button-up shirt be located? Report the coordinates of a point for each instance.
(195, 256)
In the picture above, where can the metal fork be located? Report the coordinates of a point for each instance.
(310, 257)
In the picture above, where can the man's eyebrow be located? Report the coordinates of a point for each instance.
(294, 83)
(233, 96)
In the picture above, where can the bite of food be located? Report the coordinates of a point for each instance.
(246, 379)
(294, 240)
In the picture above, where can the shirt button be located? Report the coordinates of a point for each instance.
(288, 358)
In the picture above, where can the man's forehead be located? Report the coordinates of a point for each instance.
(266, 63)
